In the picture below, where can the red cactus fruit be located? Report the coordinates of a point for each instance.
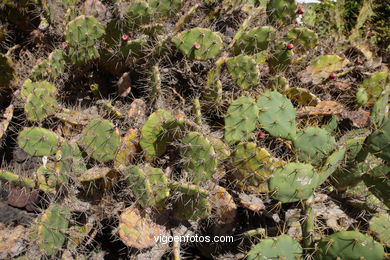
(261, 135)
(196, 46)
(290, 46)
(332, 76)
(125, 37)
(300, 10)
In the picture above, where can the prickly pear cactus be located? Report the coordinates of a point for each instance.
(349, 245)
(244, 71)
(255, 40)
(277, 115)
(378, 181)
(149, 186)
(281, 247)
(152, 133)
(8, 72)
(199, 43)
(193, 202)
(293, 182)
(240, 119)
(313, 144)
(378, 142)
(302, 38)
(138, 231)
(51, 227)
(253, 166)
(101, 140)
(380, 227)
(371, 88)
(38, 141)
(199, 157)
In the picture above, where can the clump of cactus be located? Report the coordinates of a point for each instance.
(126, 122)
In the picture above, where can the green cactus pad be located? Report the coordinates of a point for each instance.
(165, 8)
(254, 40)
(128, 149)
(29, 87)
(148, 185)
(39, 71)
(331, 164)
(303, 38)
(313, 144)
(70, 160)
(152, 132)
(321, 67)
(293, 182)
(379, 112)
(200, 159)
(373, 87)
(199, 43)
(351, 245)
(48, 179)
(240, 120)
(280, 57)
(137, 12)
(193, 203)
(101, 140)
(281, 247)
(40, 104)
(38, 141)
(253, 166)
(56, 63)
(138, 231)
(378, 143)
(51, 227)
(15, 179)
(8, 73)
(244, 71)
(278, 83)
(380, 227)
(213, 86)
(83, 31)
(133, 48)
(222, 149)
(281, 12)
(277, 115)
(378, 182)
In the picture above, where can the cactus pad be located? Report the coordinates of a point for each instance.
(137, 231)
(165, 7)
(380, 227)
(313, 144)
(148, 185)
(321, 67)
(83, 31)
(281, 12)
(378, 182)
(277, 115)
(254, 40)
(280, 57)
(372, 88)
(193, 202)
(240, 120)
(349, 245)
(8, 72)
(70, 160)
(301, 96)
(152, 132)
(51, 227)
(40, 104)
(293, 182)
(38, 141)
(244, 71)
(253, 166)
(200, 159)
(199, 43)
(378, 143)
(100, 139)
(281, 247)
(128, 149)
(303, 38)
